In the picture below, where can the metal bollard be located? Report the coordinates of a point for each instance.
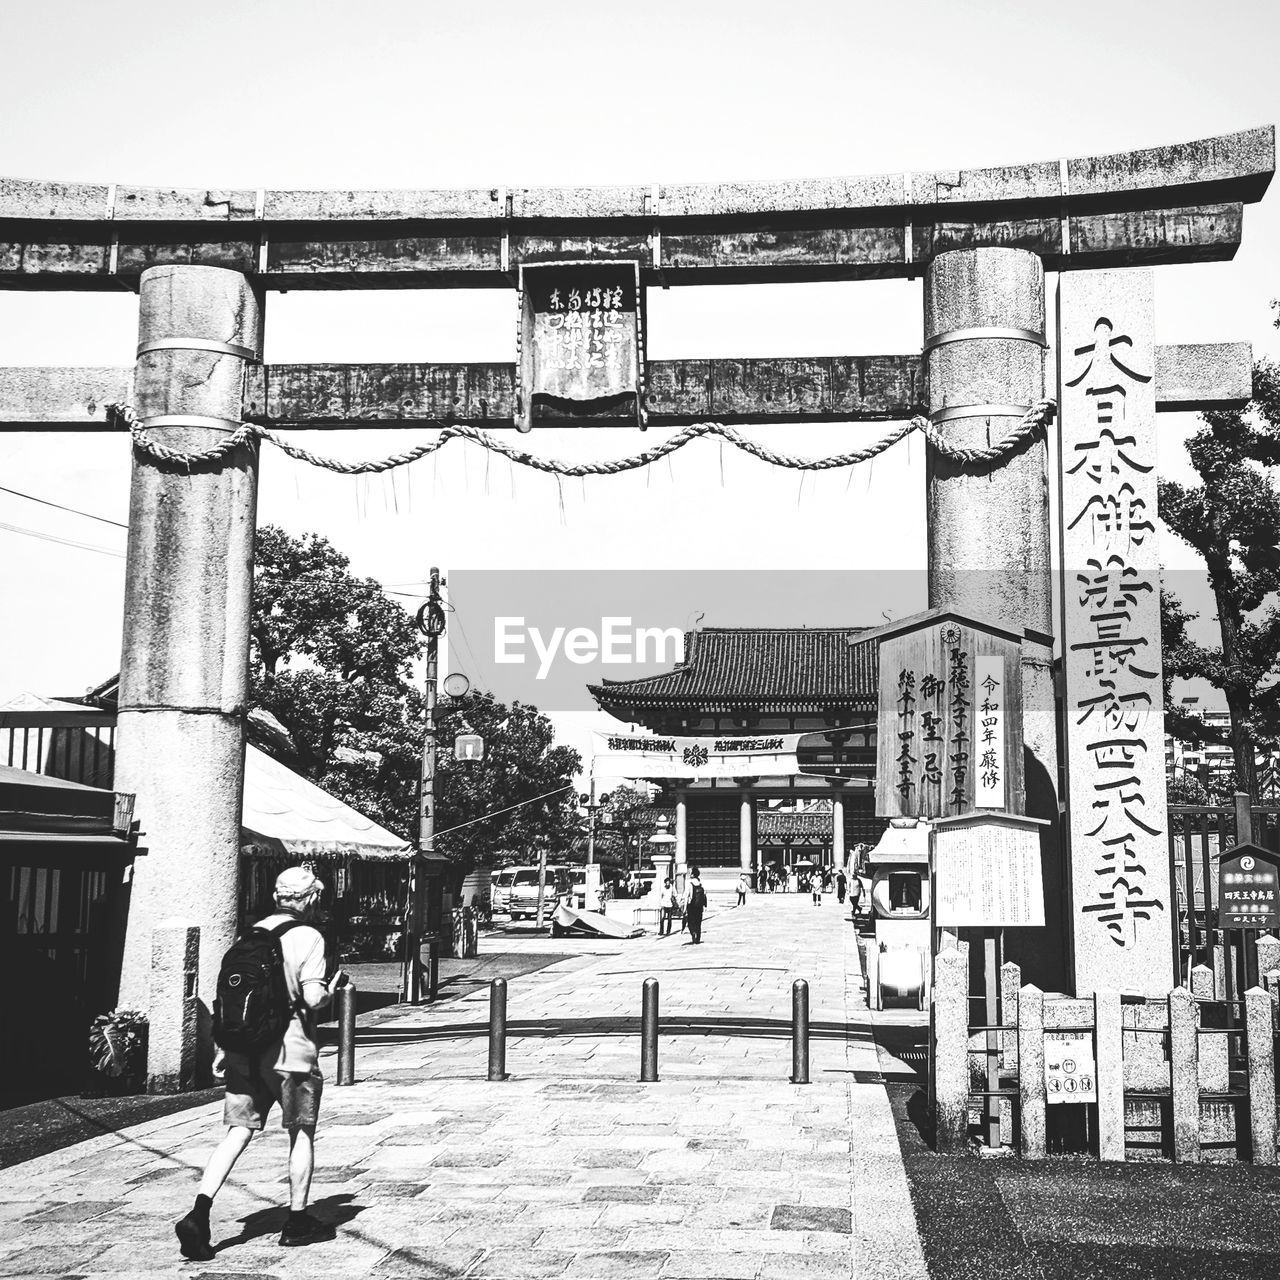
(345, 997)
(498, 1029)
(799, 1032)
(649, 1032)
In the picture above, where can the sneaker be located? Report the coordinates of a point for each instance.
(193, 1239)
(308, 1231)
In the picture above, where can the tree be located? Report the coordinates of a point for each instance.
(331, 657)
(628, 819)
(524, 781)
(1232, 519)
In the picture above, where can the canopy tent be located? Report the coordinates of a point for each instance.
(285, 815)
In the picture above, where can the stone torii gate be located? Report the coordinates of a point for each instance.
(202, 262)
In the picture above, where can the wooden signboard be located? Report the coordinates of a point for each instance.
(950, 717)
(580, 338)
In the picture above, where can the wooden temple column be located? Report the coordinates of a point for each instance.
(188, 584)
(747, 829)
(682, 837)
(837, 831)
(988, 522)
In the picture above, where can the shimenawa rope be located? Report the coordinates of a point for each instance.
(1032, 423)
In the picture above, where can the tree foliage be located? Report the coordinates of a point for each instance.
(1232, 519)
(332, 658)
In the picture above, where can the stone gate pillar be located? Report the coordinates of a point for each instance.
(188, 582)
(988, 522)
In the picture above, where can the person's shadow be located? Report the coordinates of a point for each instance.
(334, 1211)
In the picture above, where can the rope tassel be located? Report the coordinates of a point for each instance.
(1032, 424)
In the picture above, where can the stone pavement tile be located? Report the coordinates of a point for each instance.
(620, 1194)
(530, 1193)
(596, 1159)
(578, 1238)
(807, 1217)
(424, 1264)
(629, 1215)
(791, 1266)
(709, 1264)
(520, 1264)
(730, 1214)
(577, 1215)
(618, 1264)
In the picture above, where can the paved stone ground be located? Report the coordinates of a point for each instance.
(570, 1168)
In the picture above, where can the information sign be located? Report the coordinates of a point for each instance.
(986, 872)
(1249, 884)
(1070, 1072)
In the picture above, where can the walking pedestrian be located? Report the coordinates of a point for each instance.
(284, 1070)
(842, 884)
(744, 883)
(815, 885)
(855, 896)
(666, 908)
(695, 905)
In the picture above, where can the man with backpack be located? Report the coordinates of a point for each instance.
(271, 984)
(695, 905)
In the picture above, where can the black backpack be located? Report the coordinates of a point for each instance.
(699, 899)
(253, 1007)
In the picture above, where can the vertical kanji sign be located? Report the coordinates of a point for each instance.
(1111, 633)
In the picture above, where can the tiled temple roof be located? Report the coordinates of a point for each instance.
(757, 666)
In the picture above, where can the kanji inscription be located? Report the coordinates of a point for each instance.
(1111, 632)
(581, 328)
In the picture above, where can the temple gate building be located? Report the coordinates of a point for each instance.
(750, 681)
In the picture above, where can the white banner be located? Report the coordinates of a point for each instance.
(634, 755)
(989, 781)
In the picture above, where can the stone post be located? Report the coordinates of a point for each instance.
(1202, 982)
(188, 583)
(1031, 1072)
(172, 1007)
(1010, 985)
(1109, 1063)
(1268, 953)
(950, 1049)
(1184, 1075)
(1260, 1040)
(988, 523)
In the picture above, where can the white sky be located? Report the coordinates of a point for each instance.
(393, 94)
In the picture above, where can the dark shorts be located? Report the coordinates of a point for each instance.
(251, 1092)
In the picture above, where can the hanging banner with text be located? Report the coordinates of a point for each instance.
(1113, 707)
(632, 755)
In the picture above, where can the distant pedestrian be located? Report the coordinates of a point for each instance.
(666, 908)
(744, 883)
(284, 1069)
(815, 887)
(855, 896)
(695, 904)
(842, 884)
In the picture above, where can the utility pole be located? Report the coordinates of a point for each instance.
(591, 825)
(431, 624)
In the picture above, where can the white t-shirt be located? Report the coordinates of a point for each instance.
(303, 951)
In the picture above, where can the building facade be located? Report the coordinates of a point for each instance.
(818, 681)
